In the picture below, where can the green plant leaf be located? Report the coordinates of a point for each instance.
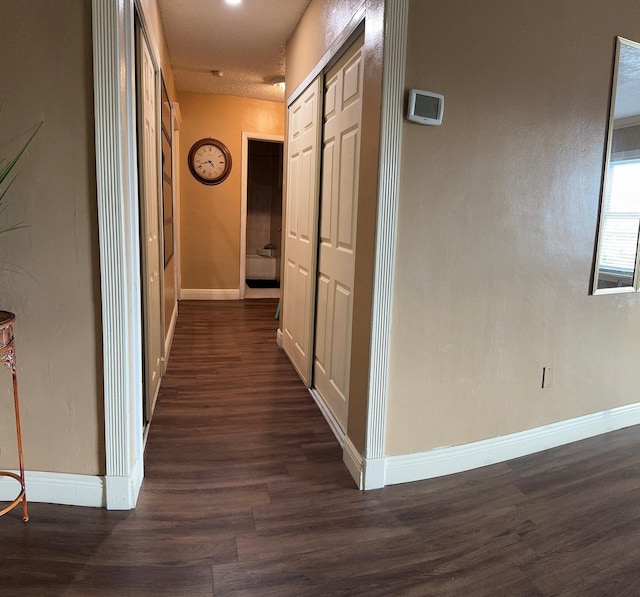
(12, 228)
(3, 193)
(9, 166)
(5, 170)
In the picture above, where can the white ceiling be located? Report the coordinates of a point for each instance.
(246, 42)
(628, 84)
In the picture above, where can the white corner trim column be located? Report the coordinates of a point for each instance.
(113, 60)
(176, 116)
(244, 200)
(395, 42)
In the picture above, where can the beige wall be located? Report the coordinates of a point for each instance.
(50, 271)
(153, 21)
(210, 215)
(321, 24)
(319, 27)
(497, 222)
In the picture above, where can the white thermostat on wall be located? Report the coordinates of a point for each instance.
(425, 107)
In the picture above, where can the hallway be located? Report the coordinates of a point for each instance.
(245, 494)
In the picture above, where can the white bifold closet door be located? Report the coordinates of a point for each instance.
(150, 225)
(337, 231)
(301, 222)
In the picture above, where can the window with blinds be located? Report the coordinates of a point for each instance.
(621, 220)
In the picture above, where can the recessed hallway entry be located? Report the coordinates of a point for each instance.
(112, 36)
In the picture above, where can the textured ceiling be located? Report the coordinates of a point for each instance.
(245, 42)
(628, 84)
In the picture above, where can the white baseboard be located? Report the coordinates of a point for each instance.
(210, 294)
(373, 475)
(77, 490)
(455, 459)
(168, 341)
(353, 461)
(262, 293)
(328, 415)
(122, 492)
(89, 490)
(57, 488)
(350, 455)
(137, 478)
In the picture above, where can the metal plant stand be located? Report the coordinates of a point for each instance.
(8, 357)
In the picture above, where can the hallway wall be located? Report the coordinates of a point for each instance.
(210, 215)
(497, 224)
(49, 275)
(49, 271)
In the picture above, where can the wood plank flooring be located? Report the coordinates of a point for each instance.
(245, 494)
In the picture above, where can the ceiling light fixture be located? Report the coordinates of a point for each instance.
(278, 83)
(234, 2)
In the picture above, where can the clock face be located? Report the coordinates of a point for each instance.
(209, 161)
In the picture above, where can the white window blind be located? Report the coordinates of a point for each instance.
(621, 219)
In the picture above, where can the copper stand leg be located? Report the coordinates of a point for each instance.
(25, 511)
(8, 358)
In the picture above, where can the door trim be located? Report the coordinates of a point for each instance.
(118, 225)
(246, 137)
(394, 66)
(176, 122)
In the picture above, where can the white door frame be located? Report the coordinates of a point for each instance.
(246, 137)
(116, 176)
(176, 123)
(395, 56)
(113, 26)
(118, 224)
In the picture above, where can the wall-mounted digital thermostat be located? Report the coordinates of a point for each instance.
(425, 107)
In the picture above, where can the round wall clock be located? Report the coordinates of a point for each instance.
(209, 161)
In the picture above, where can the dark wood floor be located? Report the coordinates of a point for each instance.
(246, 495)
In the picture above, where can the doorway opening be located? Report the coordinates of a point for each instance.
(262, 217)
